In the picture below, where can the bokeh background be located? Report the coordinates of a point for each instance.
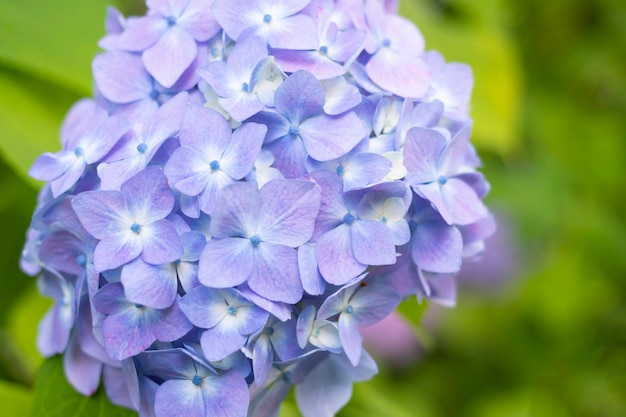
(540, 325)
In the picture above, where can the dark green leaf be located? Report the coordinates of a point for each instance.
(54, 397)
(15, 400)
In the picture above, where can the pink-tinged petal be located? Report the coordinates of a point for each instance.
(218, 342)
(82, 371)
(312, 281)
(142, 33)
(340, 96)
(115, 251)
(404, 76)
(208, 198)
(372, 243)
(236, 212)
(150, 285)
(350, 338)
(198, 20)
(294, 32)
(335, 259)
(149, 195)
(101, 213)
(275, 275)
(114, 174)
(405, 39)
(221, 78)
(226, 395)
(170, 56)
(104, 138)
(422, 150)
(347, 44)
(226, 262)
(281, 311)
(83, 115)
(330, 137)
(288, 211)
(365, 169)
(125, 335)
(262, 358)
(437, 247)
(161, 243)
(456, 201)
(373, 303)
(243, 149)
(168, 8)
(69, 178)
(136, 83)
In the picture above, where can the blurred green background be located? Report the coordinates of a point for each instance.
(542, 335)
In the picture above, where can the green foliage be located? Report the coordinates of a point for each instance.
(54, 397)
(15, 400)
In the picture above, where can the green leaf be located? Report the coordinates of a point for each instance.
(15, 400)
(53, 40)
(31, 112)
(54, 397)
(480, 41)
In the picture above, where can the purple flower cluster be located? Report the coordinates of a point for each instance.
(253, 182)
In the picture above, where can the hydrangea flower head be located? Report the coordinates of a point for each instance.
(252, 183)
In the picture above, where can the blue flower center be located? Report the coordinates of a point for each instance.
(64, 301)
(245, 87)
(293, 130)
(154, 94)
(316, 332)
(340, 170)
(176, 262)
(232, 311)
(348, 219)
(386, 42)
(267, 18)
(323, 50)
(214, 165)
(349, 309)
(255, 240)
(269, 331)
(139, 306)
(79, 151)
(271, 76)
(142, 148)
(81, 260)
(136, 228)
(442, 180)
(383, 219)
(215, 52)
(171, 20)
(197, 380)
(287, 377)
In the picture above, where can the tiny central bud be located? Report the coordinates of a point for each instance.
(383, 219)
(214, 165)
(255, 240)
(293, 130)
(232, 311)
(79, 151)
(271, 76)
(176, 262)
(287, 377)
(269, 331)
(136, 228)
(323, 50)
(442, 180)
(81, 260)
(139, 306)
(142, 148)
(171, 20)
(386, 42)
(340, 170)
(349, 309)
(348, 219)
(316, 332)
(64, 302)
(245, 87)
(267, 18)
(215, 52)
(154, 94)
(197, 380)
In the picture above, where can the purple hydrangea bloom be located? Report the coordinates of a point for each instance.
(253, 183)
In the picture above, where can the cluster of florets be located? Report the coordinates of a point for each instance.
(253, 181)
